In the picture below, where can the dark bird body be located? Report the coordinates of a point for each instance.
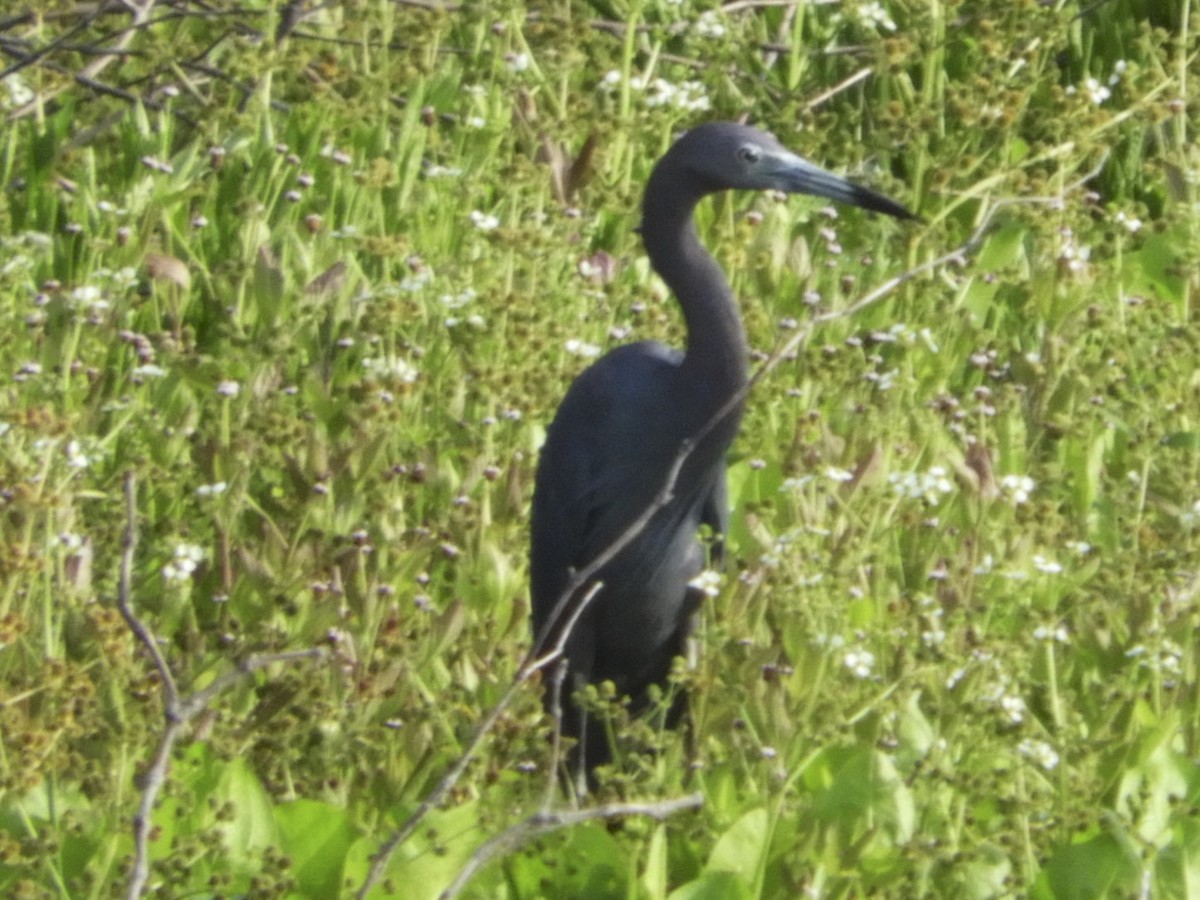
(622, 424)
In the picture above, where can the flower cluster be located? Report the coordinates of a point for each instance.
(391, 367)
(184, 562)
(1040, 752)
(1017, 488)
(1097, 91)
(1072, 256)
(928, 486)
(687, 96)
(859, 661)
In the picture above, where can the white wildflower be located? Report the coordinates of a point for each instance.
(928, 486)
(459, 300)
(1040, 752)
(484, 221)
(1191, 518)
(76, 458)
(792, 485)
(1047, 566)
(183, 564)
(576, 347)
(16, 91)
(1013, 708)
(1072, 254)
(873, 14)
(707, 582)
(1017, 488)
(1132, 225)
(1057, 633)
(860, 662)
(71, 541)
(933, 635)
(1096, 91)
(416, 281)
(385, 367)
(709, 25)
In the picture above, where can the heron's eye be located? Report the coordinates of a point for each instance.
(749, 153)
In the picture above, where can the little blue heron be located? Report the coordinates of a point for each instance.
(619, 431)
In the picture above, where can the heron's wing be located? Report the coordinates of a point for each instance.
(560, 511)
(598, 450)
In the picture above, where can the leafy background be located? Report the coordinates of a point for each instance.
(318, 278)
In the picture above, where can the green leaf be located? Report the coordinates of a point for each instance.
(986, 876)
(1096, 867)
(1178, 870)
(252, 828)
(317, 837)
(714, 886)
(743, 846)
(1155, 269)
(654, 873)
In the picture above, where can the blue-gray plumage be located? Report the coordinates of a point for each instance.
(620, 428)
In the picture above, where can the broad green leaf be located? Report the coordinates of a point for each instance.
(1094, 867)
(252, 827)
(715, 885)
(317, 837)
(743, 847)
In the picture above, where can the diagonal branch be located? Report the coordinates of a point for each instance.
(542, 823)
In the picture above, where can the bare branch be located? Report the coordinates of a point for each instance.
(89, 73)
(125, 594)
(541, 823)
(177, 710)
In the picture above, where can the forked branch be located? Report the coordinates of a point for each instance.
(178, 710)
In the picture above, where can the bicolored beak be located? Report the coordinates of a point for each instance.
(797, 175)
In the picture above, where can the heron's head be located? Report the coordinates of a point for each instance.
(724, 155)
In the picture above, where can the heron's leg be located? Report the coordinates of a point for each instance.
(556, 713)
(579, 783)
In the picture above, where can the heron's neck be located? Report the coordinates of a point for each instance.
(716, 342)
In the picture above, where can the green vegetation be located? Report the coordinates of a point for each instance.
(321, 295)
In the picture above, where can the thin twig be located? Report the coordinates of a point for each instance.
(842, 85)
(772, 54)
(542, 823)
(125, 593)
